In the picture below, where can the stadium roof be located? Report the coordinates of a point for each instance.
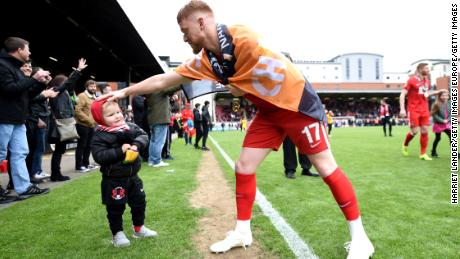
(354, 53)
(67, 30)
(434, 61)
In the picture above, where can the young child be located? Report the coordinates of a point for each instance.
(115, 147)
(441, 119)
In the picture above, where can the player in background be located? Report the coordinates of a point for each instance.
(385, 116)
(330, 121)
(417, 92)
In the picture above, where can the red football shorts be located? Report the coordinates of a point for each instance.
(417, 119)
(269, 129)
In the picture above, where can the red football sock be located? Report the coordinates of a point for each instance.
(137, 228)
(423, 142)
(409, 137)
(343, 193)
(245, 195)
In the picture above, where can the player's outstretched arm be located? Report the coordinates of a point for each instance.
(150, 85)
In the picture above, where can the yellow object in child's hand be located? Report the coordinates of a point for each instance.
(131, 156)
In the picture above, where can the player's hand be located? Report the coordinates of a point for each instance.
(115, 95)
(125, 147)
(402, 113)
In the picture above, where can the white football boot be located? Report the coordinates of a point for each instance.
(233, 239)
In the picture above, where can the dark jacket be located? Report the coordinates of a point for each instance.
(440, 115)
(62, 106)
(206, 117)
(38, 109)
(106, 150)
(15, 90)
(197, 119)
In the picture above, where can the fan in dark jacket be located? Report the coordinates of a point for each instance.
(62, 107)
(15, 90)
(115, 146)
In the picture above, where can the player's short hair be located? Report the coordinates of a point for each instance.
(14, 43)
(191, 7)
(421, 66)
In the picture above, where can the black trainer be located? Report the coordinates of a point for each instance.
(205, 148)
(32, 191)
(290, 175)
(7, 199)
(10, 186)
(308, 173)
(4, 192)
(59, 178)
(35, 180)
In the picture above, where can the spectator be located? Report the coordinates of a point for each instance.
(116, 145)
(62, 108)
(187, 115)
(15, 90)
(206, 122)
(290, 160)
(104, 88)
(36, 129)
(166, 152)
(197, 123)
(441, 119)
(159, 116)
(139, 108)
(85, 127)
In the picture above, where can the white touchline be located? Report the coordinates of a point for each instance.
(297, 245)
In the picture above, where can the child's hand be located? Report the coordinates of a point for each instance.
(133, 148)
(125, 147)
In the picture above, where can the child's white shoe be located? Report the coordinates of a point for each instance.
(120, 240)
(144, 232)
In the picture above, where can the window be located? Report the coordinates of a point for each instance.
(360, 69)
(347, 68)
(336, 68)
(388, 77)
(377, 69)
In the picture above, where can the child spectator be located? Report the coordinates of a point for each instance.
(115, 147)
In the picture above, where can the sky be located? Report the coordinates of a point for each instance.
(403, 31)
